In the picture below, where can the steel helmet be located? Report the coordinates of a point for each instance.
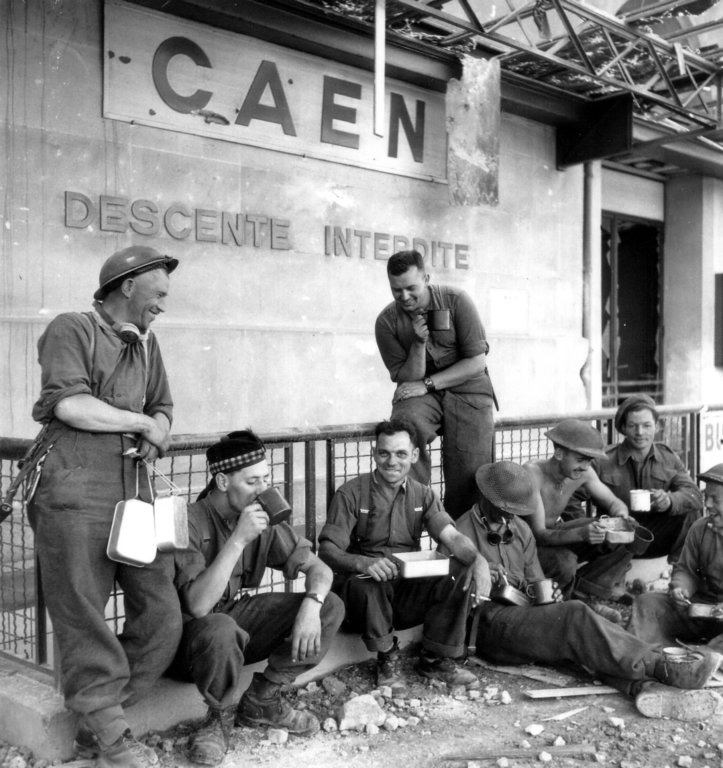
(713, 475)
(508, 486)
(130, 261)
(578, 436)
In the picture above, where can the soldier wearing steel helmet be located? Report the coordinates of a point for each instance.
(565, 540)
(104, 391)
(692, 609)
(555, 632)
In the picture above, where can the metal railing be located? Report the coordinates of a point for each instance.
(306, 465)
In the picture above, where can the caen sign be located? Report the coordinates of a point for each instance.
(183, 76)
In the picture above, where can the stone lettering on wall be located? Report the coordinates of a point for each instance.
(207, 225)
(143, 216)
(353, 242)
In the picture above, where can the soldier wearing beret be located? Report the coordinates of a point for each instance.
(640, 462)
(227, 623)
(697, 579)
(104, 391)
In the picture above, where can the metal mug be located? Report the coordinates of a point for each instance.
(542, 592)
(275, 505)
(439, 319)
(640, 501)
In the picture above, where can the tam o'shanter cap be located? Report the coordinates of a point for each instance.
(712, 475)
(640, 400)
(235, 451)
(578, 436)
(506, 485)
(131, 261)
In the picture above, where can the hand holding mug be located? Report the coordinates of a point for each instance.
(275, 505)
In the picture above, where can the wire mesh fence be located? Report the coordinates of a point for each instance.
(306, 467)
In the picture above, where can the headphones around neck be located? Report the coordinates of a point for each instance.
(494, 537)
(126, 332)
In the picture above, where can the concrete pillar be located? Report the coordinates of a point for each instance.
(591, 372)
(693, 253)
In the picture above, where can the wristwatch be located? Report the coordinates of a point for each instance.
(314, 596)
(429, 384)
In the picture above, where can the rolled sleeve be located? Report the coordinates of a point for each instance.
(392, 351)
(436, 519)
(64, 354)
(287, 551)
(340, 521)
(471, 340)
(189, 563)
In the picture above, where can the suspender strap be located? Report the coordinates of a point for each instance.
(413, 509)
(365, 494)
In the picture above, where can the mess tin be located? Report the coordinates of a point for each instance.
(132, 538)
(275, 505)
(706, 611)
(415, 565)
(541, 592)
(618, 530)
(439, 319)
(170, 515)
(503, 592)
(639, 500)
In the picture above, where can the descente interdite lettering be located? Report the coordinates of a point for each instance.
(145, 217)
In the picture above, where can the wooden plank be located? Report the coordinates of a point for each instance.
(541, 674)
(568, 750)
(585, 690)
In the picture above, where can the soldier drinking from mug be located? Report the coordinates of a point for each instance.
(226, 623)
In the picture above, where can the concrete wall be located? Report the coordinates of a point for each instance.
(693, 254)
(633, 195)
(255, 336)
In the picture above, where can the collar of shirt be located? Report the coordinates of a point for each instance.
(625, 453)
(386, 490)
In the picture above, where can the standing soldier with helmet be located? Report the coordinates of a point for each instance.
(104, 391)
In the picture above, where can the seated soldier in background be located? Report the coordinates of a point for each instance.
(376, 514)
(226, 624)
(641, 463)
(697, 577)
(564, 543)
(565, 632)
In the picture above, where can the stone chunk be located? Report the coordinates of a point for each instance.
(391, 723)
(360, 711)
(534, 729)
(333, 686)
(277, 735)
(329, 725)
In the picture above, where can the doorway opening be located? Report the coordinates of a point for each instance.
(631, 308)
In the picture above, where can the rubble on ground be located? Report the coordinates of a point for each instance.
(432, 722)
